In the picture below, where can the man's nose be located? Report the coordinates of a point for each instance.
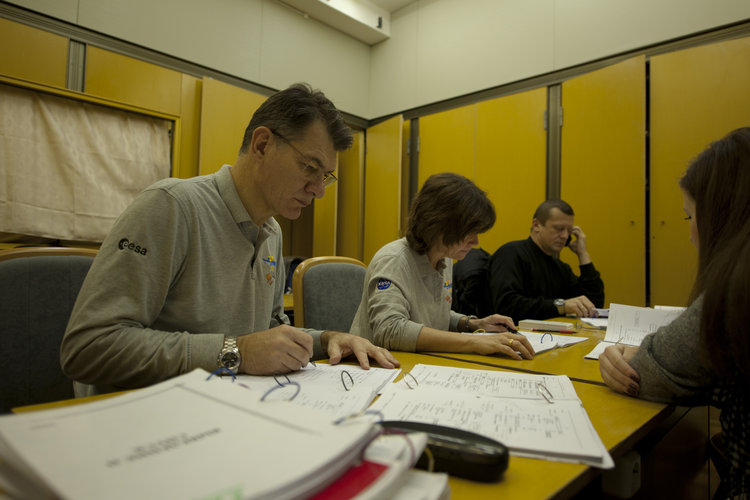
(317, 187)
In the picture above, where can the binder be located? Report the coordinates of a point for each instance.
(187, 437)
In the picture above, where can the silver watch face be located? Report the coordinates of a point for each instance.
(559, 302)
(230, 360)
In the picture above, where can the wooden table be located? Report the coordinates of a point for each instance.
(568, 361)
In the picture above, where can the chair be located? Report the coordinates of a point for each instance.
(327, 292)
(38, 287)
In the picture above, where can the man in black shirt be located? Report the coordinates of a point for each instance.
(529, 281)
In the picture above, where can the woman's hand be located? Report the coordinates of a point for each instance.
(512, 344)
(492, 323)
(616, 370)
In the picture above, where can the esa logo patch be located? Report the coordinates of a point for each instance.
(383, 284)
(126, 244)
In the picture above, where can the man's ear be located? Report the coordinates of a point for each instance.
(535, 225)
(259, 141)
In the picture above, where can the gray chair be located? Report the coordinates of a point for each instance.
(38, 287)
(327, 292)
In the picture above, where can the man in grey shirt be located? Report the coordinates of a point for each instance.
(191, 274)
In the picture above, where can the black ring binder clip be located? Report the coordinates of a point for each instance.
(221, 371)
(416, 382)
(551, 338)
(343, 381)
(285, 384)
(545, 392)
(276, 375)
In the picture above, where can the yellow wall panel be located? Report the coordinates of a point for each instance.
(350, 199)
(190, 119)
(603, 173)
(131, 81)
(446, 142)
(225, 112)
(324, 222)
(511, 162)
(698, 95)
(32, 54)
(382, 185)
(405, 173)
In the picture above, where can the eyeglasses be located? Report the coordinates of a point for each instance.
(310, 171)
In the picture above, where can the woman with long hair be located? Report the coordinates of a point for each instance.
(703, 356)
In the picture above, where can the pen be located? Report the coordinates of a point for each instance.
(511, 330)
(553, 331)
(277, 317)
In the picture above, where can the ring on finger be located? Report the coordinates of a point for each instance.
(510, 342)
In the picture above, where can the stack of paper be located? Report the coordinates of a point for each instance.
(537, 416)
(188, 437)
(629, 325)
(546, 326)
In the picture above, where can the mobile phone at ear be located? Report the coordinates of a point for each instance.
(455, 451)
(570, 237)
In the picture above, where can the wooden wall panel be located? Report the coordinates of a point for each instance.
(325, 211)
(511, 162)
(130, 81)
(351, 173)
(446, 142)
(698, 95)
(603, 173)
(382, 185)
(190, 119)
(225, 112)
(32, 54)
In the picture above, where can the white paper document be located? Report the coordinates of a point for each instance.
(538, 416)
(340, 390)
(542, 342)
(629, 325)
(545, 341)
(188, 437)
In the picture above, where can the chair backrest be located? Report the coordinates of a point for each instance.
(38, 287)
(327, 292)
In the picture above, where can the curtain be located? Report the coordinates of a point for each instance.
(68, 168)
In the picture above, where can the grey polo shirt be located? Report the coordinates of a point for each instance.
(402, 293)
(183, 266)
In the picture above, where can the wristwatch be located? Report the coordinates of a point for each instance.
(229, 356)
(560, 305)
(466, 324)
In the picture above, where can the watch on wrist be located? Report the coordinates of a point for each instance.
(560, 304)
(466, 323)
(229, 356)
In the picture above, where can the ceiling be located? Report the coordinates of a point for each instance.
(368, 21)
(392, 5)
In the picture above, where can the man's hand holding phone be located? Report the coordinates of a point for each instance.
(577, 243)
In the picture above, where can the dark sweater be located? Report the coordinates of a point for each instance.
(524, 282)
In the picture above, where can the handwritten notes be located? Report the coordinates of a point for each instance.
(539, 416)
(629, 325)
